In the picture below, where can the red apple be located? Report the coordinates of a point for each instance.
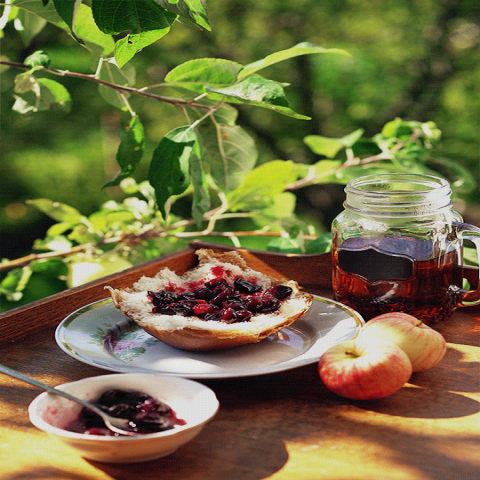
(364, 368)
(424, 346)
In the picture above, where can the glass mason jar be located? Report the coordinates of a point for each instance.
(398, 246)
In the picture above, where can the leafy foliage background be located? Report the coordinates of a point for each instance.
(417, 61)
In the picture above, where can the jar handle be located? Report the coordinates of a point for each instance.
(466, 231)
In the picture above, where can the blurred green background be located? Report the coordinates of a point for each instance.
(416, 60)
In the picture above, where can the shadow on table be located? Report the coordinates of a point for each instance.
(252, 451)
(454, 373)
(418, 402)
(437, 392)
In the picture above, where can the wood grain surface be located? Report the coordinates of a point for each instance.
(281, 426)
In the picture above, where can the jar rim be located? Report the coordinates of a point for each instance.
(399, 194)
(431, 183)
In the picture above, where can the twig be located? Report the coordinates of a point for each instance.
(21, 262)
(121, 88)
(386, 154)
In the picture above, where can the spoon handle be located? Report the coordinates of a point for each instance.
(32, 381)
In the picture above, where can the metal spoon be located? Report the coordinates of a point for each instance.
(117, 425)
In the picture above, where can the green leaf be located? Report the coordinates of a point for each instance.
(67, 9)
(130, 150)
(231, 154)
(303, 48)
(226, 114)
(95, 40)
(260, 186)
(283, 206)
(127, 47)
(195, 74)
(135, 16)
(427, 136)
(201, 197)
(80, 234)
(120, 76)
(322, 244)
(49, 268)
(470, 256)
(47, 12)
(144, 20)
(352, 138)
(255, 89)
(169, 170)
(399, 129)
(28, 25)
(25, 82)
(107, 220)
(38, 59)
(326, 171)
(140, 208)
(14, 283)
(284, 245)
(54, 93)
(281, 209)
(190, 12)
(22, 106)
(56, 210)
(44, 94)
(223, 113)
(59, 229)
(59, 243)
(329, 147)
(260, 92)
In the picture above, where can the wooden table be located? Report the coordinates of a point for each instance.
(279, 426)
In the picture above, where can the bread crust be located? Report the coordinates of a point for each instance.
(193, 333)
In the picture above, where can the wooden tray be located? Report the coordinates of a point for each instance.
(312, 272)
(278, 426)
(49, 311)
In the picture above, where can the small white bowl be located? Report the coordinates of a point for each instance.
(191, 401)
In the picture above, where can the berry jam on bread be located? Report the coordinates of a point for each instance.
(221, 303)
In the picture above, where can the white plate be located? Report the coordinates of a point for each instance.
(100, 335)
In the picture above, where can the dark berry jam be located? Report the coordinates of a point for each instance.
(145, 414)
(219, 300)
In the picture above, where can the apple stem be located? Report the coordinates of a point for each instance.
(419, 323)
(351, 354)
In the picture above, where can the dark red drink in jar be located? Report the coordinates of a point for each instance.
(375, 281)
(397, 247)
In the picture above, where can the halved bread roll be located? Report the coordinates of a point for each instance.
(195, 333)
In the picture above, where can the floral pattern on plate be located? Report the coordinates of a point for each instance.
(125, 340)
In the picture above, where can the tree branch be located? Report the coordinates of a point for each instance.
(120, 88)
(21, 262)
(386, 154)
